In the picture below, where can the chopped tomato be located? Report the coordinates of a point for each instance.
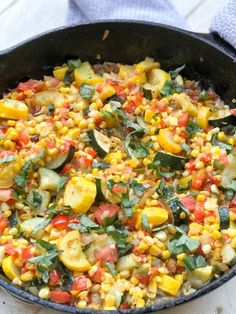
(162, 123)
(90, 151)
(124, 306)
(85, 162)
(107, 254)
(60, 221)
(104, 211)
(224, 159)
(80, 283)
(233, 111)
(11, 250)
(199, 215)
(3, 223)
(50, 144)
(26, 253)
(100, 88)
(67, 168)
(206, 158)
(213, 179)
(189, 202)
(159, 106)
(233, 201)
(54, 277)
(60, 296)
(183, 120)
(23, 137)
(198, 180)
(118, 189)
(130, 107)
(33, 85)
(139, 97)
(5, 195)
(143, 278)
(98, 275)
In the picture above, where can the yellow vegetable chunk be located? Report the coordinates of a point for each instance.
(48, 97)
(203, 117)
(111, 121)
(13, 109)
(158, 77)
(200, 276)
(148, 115)
(147, 65)
(156, 216)
(10, 269)
(80, 194)
(106, 92)
(72, 255)
(85, 74)
(169, 284)
(60, 72)
(128, 73)
(8, 171)
(166, 140)
(185, 102)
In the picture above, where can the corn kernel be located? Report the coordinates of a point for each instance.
(110, 300)
(27, 276)
(181, 257)
(154, 250)
(166, 254)
(134, 281)
(140, 303)
(201, 198)
(216, 234)
(231, 233)
(44, 293)
(182, 215)
(221, 136)
(231, 141)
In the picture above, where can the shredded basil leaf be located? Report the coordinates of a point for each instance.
(135, 150)
(192, 262)
(144, 222)
(111, 268)
(62, 182)
(86, 91)
(192, 128)
(175, 73)
(7, 159)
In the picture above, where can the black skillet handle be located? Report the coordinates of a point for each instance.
(215, 40)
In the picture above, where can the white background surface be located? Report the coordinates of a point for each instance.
(21, 19)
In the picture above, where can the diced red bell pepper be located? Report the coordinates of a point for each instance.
(80, 283)
(183, 120)
(104, 211)
(60, 296)
(60, 221)
(54, 277)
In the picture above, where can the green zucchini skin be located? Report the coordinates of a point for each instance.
(224, 217)
(171, 161)
(97, 144)
(100, 196)
(62, 160)
(177, 208)
(230, 119)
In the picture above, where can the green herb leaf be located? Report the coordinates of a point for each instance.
(79, 227)
(51, 109)
(87, 222)
(128, 204)
(46, 245)
(144, 222)
(63, 180)
(120, 235)
(36, 199)
(175, 73)
(42, 225)
(73, 64)
(13, 220)
(137, 187)
(215, 142)
(86, 91)
(192, 128)
(111, 268)
(170, 88)
(192, 262)
(100, 164)
(7, 159)
(135, 150)
(204, 95)
(183, 244)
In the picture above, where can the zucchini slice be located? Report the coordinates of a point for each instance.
(60, 161)
(224, 217)
(49, 179)
(171, 161)
(100, 142)
(222, 118)
(103, 194)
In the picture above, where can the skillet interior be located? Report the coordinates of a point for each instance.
(127, 42)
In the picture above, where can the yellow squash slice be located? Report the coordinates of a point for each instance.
(80, 194)
(158, 78)
(85, 74)
(166, 140)
(72, 255)
(48, 97)
(10, 269)
(169, 284)
(156, 216)
(13, 109)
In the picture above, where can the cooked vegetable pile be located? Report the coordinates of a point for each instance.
(117, 185)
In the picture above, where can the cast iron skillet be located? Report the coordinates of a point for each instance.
(207, 59)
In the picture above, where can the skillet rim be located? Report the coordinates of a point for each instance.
(30, 298)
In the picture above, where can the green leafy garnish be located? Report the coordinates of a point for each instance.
(36, 199)
(7, 159)
(144, 222)
(135, 150)
(72, 65)
(183, 244)
(86, 91)
(120, 235)
(51, 109)
(127, 204)
(43, 224)
(111, 268)
(170, 88)
(192, 262)
(192, 128)
(175, 73)
(62, 182)
(100, 164)
(216, 142)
